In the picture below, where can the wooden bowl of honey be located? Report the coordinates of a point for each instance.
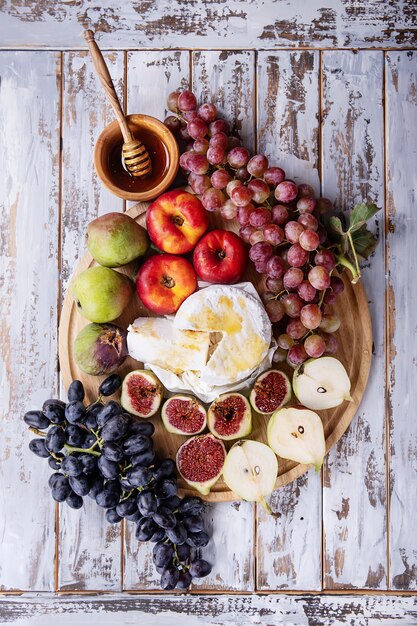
(162, 149)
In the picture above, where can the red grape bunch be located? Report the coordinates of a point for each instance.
(280, 220)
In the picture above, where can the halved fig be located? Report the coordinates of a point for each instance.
(250, 470)
(142, 393)
(296, 433)
(270, 392)
(184, 415)
(230, 416)
(200, 462)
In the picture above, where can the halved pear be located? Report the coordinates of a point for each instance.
(250, 470)
(297, 434)
(321, 383)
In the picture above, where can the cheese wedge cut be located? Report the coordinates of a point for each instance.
(240, 325)
(156, 340)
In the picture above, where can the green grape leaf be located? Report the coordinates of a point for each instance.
(364, 241)
(335, 224)
(360, 215)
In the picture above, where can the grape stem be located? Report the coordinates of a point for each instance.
(355, 271)
(71, 449)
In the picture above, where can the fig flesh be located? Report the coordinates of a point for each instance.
(184, 415)
(230, 416)
(141, 393)
(296, 433)
(100, 348)
(200, 462)
(270, 392)
(321, 383)
(250, 471)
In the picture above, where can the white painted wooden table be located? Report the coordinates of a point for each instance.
(328, 90)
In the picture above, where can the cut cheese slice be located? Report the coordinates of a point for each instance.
(242, 324)
(156, 340)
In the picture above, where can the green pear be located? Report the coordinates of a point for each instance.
(115, 239)
(101, 294)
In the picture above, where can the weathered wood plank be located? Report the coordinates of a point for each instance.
(150, 77)
(89, 548)
(227, 79)
(29, 210)
(288, 545)
(267, 610)
(354, 501)
(213, 24)
(401, 103)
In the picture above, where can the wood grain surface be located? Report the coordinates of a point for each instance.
(210, 23)
(354, 473)
(341, 119)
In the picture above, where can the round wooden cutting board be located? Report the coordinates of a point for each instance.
(355, 346)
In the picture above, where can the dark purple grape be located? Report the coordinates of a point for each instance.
(139, 476)
(75, 412)
(193, 523)
(169, 577)
(199, 568)
(183, 552)
(72, 465)
(178, 534)
(198, 540)
(91, 415)
(74, 500)
(166, 469)
(145, 529)
(55, 479)
(144, 459)
(89, 440)
(54, 410)
(136, 444)
(60, 488)
(37, 419)
(184, 580)
(38, 447)
(110, 385)
(97, 484)
(109, 469)
(162, 554)
(112, 452)
(55, 439)
(171, 503)
(191, 505)
(74, 435)
(115, 428)
(166, 488)
(141, 428)
(76, 391)
(159, 535)
(127, 507)
(114, 486)
(112, 517)
(147, 503)
(109, 410)
(54, 462)
(135, 517)
(80, 484)
(164, 518)
(107, 499)
(89, 463)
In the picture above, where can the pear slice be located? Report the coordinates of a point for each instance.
(250, 470)
(321, 383)
(297, 434)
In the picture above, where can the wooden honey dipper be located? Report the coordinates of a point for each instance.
(135, 155)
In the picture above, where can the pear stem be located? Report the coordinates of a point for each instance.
(266, 505)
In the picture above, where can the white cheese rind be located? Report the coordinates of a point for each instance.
(244, 326)
(156, 340)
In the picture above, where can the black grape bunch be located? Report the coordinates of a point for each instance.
(103, 452)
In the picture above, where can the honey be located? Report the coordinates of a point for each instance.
(158, 154)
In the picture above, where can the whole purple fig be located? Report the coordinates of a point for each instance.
(100, 348)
